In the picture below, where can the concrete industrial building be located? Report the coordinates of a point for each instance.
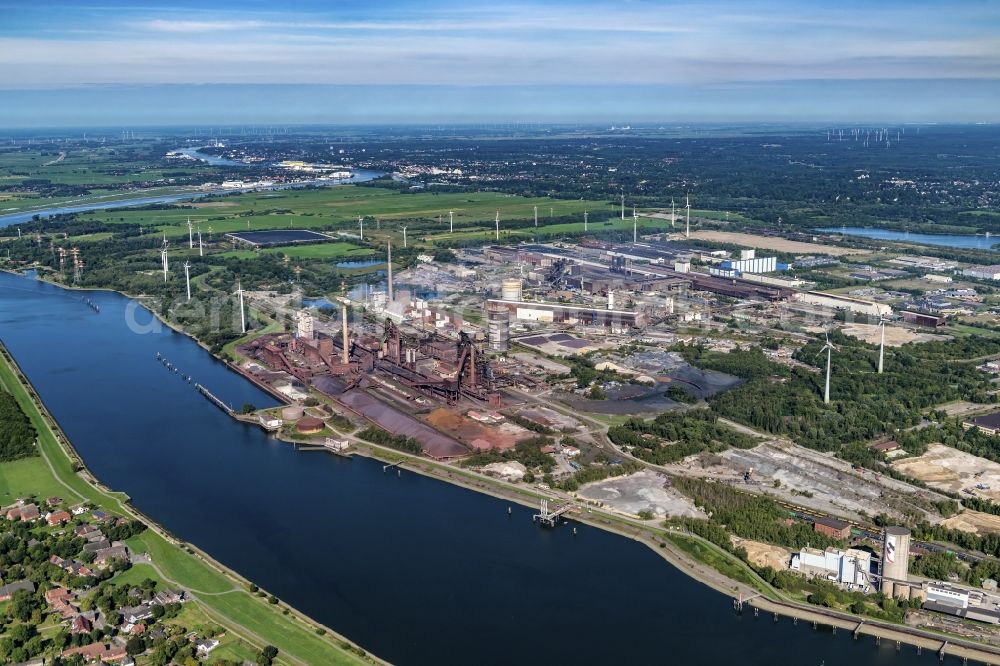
(839, 302)
(498, 327)
(615, 320)
(983, 272)
(306, 326)
(895, 559)
(849, 567)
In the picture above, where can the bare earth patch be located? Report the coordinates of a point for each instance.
(642, 491)
(975, 522)
(773, 243)
(214, 204)
(894, 335)
(764, 554)
(955, 471)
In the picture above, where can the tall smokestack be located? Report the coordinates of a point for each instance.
(389, 263)
(347, 342)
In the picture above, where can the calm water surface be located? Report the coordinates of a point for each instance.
(965, 241)
(415, 570)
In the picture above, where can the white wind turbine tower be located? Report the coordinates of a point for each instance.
(585, 221)
(190, 235)
(881, 347)
(829, 348)
(361, 227)
(451, 221)
(673, 213)
(163, 258)
(536, 216)
(498, 225)
(687, 204)
(635, 226)
(623, 204)
(187, 278)
(243, 318)
(404, 236)
(201, 248)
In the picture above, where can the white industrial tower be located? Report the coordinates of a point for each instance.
(389, 293)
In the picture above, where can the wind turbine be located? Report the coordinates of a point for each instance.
(585, 221)
(673, 213)
(623, 203)
(829, 348)
(635, 226)
(536, 216)
(201, 248)
(498, 225)
(881, 347)
(451, 221)
(404, 236)
(190, 235)
(361, 227)
(243, 318)
(187, 278)
(163, 258)
(687, 204)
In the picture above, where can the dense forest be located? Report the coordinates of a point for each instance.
(17, 435)
(674, 435)
(864, 405)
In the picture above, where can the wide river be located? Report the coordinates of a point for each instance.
(416, 570)
(963, 241)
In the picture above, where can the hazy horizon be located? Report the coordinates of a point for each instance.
(125, 63)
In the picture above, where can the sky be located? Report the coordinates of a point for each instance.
(110, 62)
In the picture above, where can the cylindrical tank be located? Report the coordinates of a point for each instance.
(292, 413)
(895, 556)
(510, 289)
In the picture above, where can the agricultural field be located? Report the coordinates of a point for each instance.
(339, 207)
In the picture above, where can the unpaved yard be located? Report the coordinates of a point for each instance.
(955, 471)
(642, 491)
(894, 335)
(773, 243)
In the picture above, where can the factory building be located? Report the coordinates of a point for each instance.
(849, 567)
(923, 319)
(306, 326)
(498, 327)
(750, 263)
(615, 320)
(983, 272)
(839, 302)
(895, 558)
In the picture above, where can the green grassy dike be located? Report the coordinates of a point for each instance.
(221, 594)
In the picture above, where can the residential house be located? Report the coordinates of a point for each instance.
(206, 646)
(53, 502)
(7, 591)
(108, 555)
(135, 614)
(58, 518)
(80, 625)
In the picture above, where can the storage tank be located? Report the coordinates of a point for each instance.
(510, 289)
(292, 413)
(895, 557)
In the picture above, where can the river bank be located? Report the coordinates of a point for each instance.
(270, 625)
(460, 510)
